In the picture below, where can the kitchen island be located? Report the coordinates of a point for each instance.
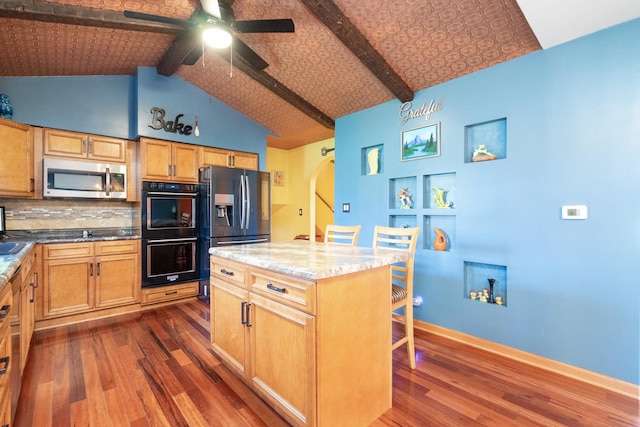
(308, 326)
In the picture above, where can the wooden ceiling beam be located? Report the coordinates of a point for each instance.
(282, 91)
(38, 10)
(332, 17)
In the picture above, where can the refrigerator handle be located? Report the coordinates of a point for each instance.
(242, 201)
(248, 201)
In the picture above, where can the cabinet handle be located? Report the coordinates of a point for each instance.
(169, 170)
(98, 267)
(4, 311)
(90, 146)
(33, 186)
(4, 369)
(91, 269)
(84, 146)
(34, 285)
(171, 293)
(276, 289)
(244, 313)
(247, 309)
(174, 170)
(228, 273)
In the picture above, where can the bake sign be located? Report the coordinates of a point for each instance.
(174, 126)
(407, 111)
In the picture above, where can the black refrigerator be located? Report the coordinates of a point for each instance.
(235, 209)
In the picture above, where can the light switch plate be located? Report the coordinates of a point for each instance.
(575, 212)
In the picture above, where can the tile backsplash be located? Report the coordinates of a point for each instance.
(62, 214)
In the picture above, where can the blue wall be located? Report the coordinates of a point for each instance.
(120, 106)
(572, 138)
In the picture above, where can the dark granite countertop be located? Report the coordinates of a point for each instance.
(9, 264)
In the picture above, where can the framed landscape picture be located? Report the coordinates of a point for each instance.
(420, 143)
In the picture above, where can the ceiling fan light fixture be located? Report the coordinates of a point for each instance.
(216, 37)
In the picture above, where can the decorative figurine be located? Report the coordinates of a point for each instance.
(492, 299)
(372, 160)
(440, 242)
(473, 295)
(6, 110)
(439, 198)
(405, 199)
(481, 154)
(482, 296)
(499, 300)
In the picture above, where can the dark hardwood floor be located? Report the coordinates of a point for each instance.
(155, 368)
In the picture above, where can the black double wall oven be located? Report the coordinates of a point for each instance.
(169, 233)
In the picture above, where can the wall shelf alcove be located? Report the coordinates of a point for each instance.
(446, 224)
(372, 160)
(398, 185)
(476, 278)
(487, 140)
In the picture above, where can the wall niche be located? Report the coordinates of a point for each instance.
(486, 141)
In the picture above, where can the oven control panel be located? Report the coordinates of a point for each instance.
(168, 186)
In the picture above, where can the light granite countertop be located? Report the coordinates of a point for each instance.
(310, 260)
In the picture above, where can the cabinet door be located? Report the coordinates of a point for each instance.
(286, 377)
(107, 149)
(228, 334)
(68, 286)
(155, 159)
(16, 161)
(248, 161)
(210, 156)
(117, 280)
(65, 144)
(185, 161)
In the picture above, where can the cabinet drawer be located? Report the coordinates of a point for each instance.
(294, 293)
(112, 247)
(67, 250)
(229, 271)
(169, 293)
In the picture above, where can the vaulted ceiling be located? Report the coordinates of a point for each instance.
(344, 56)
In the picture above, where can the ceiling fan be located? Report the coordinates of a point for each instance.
(216, 22)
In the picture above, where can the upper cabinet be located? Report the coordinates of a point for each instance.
(210, 156)
(75, 145)
(16, 161)
(168, 161)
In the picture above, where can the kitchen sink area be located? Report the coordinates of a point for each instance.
(11, 248)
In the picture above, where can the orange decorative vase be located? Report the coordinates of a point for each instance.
(440, 242)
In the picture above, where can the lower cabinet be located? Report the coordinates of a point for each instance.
(81, 277)
(6, 361)
(319, 352)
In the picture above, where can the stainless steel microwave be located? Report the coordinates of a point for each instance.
(82, 179)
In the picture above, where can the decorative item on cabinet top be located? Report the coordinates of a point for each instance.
(6, 110)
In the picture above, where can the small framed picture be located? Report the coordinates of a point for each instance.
(420, 143)
(278, 178)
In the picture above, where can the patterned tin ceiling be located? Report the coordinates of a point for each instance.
(425, 42)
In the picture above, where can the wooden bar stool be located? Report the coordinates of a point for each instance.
(342, 234)
(401, 239)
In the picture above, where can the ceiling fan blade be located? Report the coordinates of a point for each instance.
(211, 7)
(249, 55)
(158, 18)
(264, 26)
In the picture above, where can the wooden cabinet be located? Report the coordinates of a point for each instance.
(29, 273)
(76, 145)
(210, 156)
(298, 343)
(16, 161)
(168, 161)
(6, 361)
(81, 277)
(172, 293)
